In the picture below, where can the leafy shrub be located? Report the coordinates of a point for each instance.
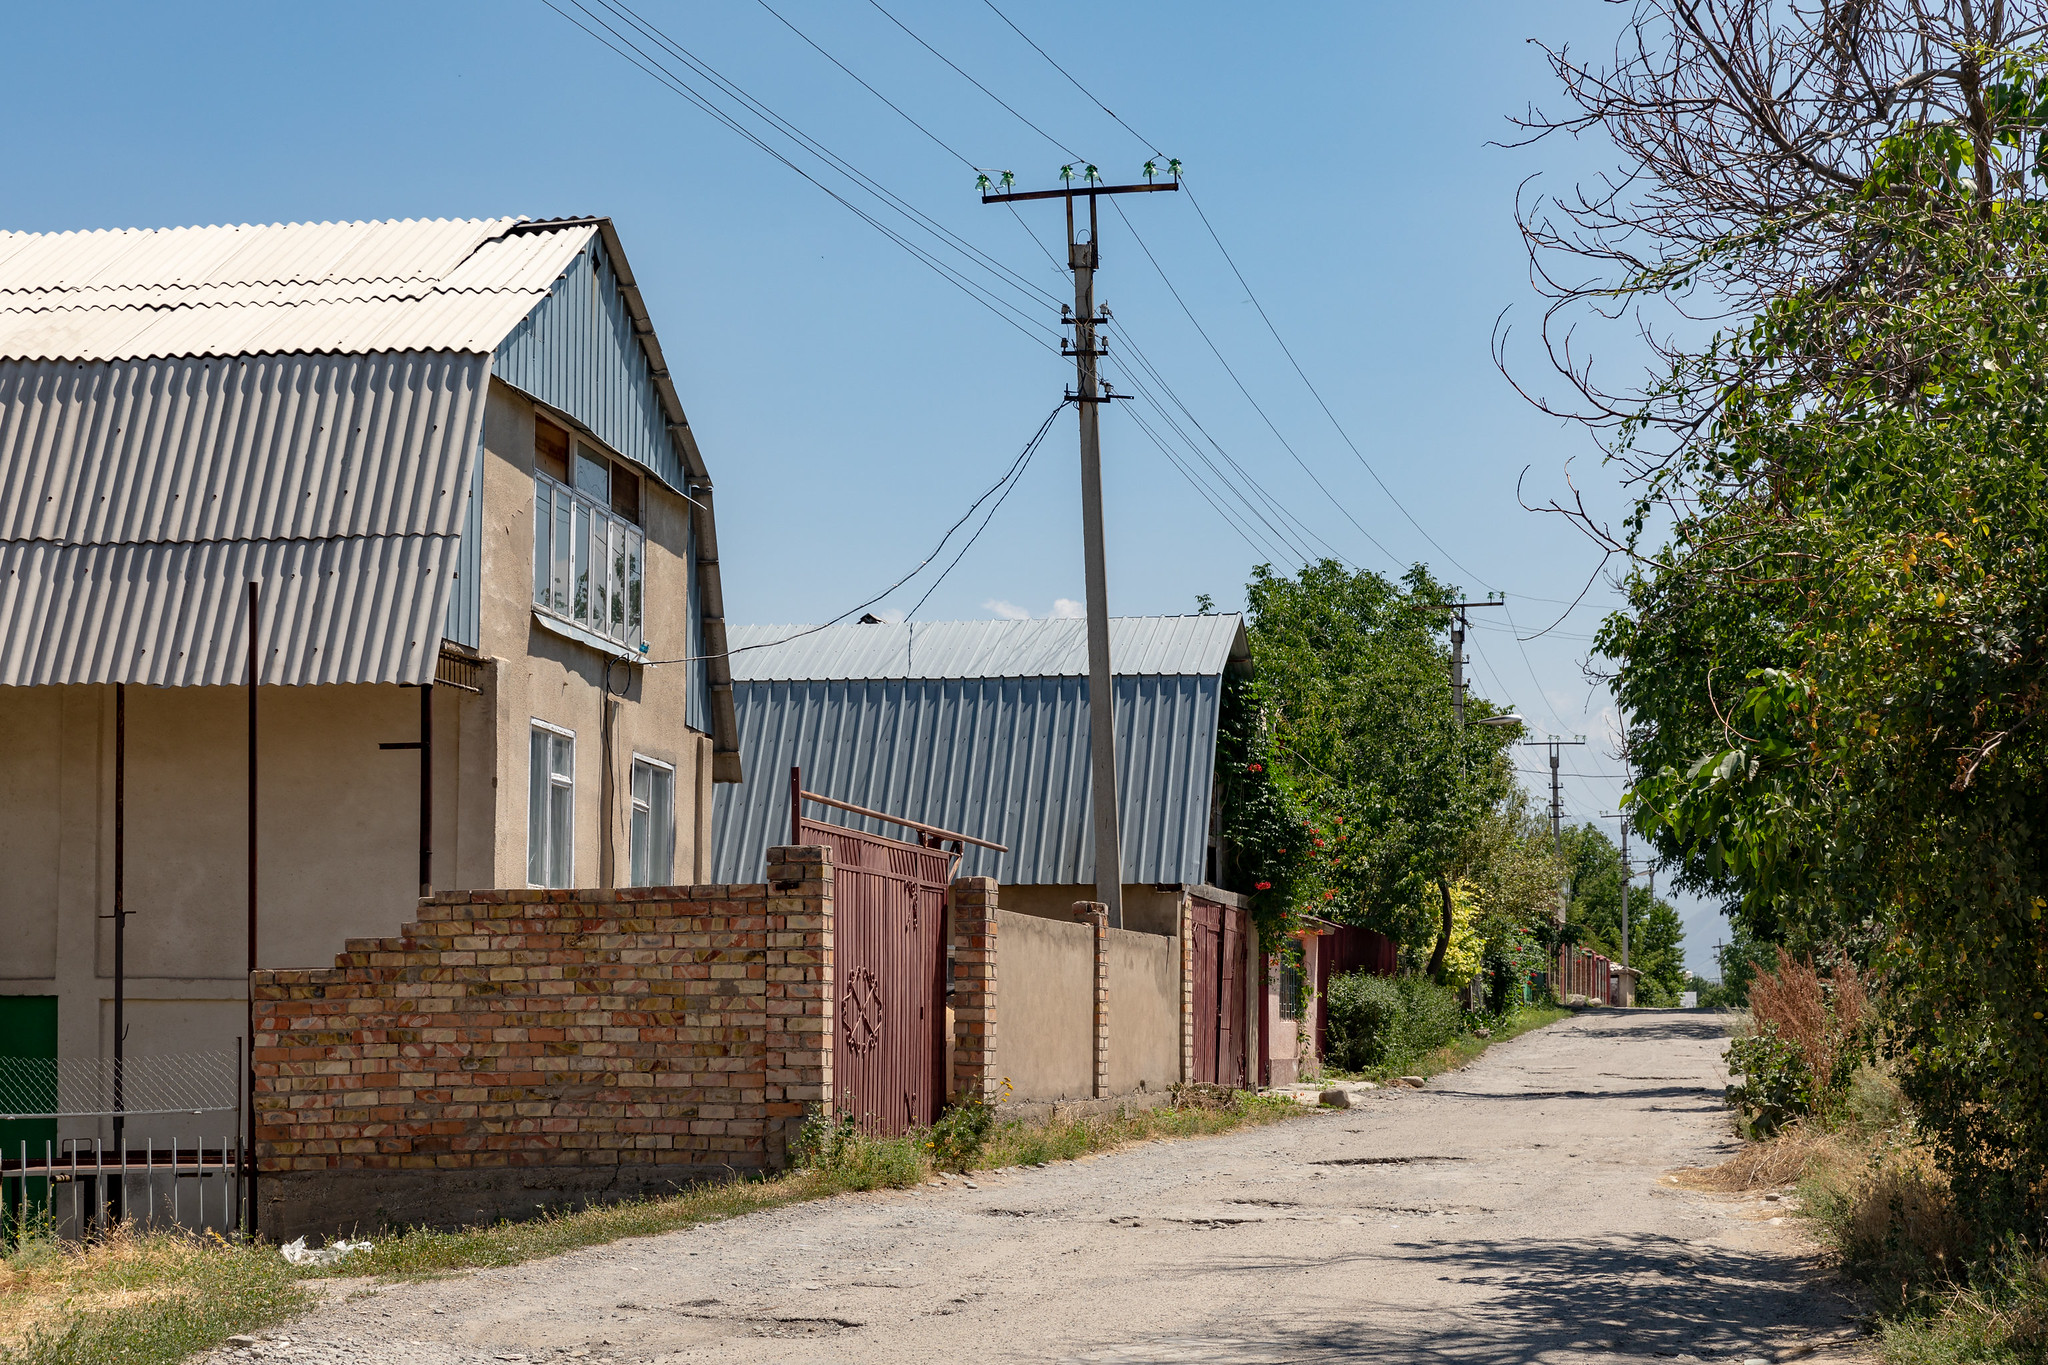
(1380, 1022)
(959, 1137)
(853, 1160)
(1776, 1084)
(1362, 1011)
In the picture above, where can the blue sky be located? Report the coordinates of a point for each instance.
(850, 400)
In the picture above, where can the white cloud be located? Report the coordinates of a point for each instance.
(1063, 609)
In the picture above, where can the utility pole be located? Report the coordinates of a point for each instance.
(1628, 874)
(1460, 623)
(1083, 258)
(1556, 803)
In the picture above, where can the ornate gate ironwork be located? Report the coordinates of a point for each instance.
(888, 950)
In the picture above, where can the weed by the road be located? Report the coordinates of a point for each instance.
(1017, 1144)
(136, 1298)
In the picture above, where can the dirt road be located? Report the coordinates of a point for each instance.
(1514, 1211)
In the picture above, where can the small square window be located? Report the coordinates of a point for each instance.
(551, 450)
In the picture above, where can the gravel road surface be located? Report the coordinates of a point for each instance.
(1514, 1211)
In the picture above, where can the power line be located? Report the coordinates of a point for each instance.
(1252, 294)
(975, 83)
(638, 57)
(1015, 470)
(1217, 352)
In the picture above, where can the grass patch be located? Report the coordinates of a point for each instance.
(155, 1298)
(137, 1299)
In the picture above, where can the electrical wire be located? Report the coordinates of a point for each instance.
(1217, 352)
(1013, 478)
(1015, 470)
(1250, 293)
(975, 83)
(650, 65)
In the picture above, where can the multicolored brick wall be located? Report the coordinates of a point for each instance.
(675, 1027)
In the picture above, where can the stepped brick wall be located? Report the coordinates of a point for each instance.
(672, 1030)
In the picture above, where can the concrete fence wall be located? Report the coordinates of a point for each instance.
(519, 1048)
(1144, 1011)
(1045, 1038)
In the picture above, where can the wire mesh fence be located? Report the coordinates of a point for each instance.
(88, 1087)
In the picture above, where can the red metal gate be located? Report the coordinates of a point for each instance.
(1220, 941)
(888, 953)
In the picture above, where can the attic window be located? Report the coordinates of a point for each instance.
(588, 553)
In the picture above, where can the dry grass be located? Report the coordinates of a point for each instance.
(1773, 1164)
(1821, 1016)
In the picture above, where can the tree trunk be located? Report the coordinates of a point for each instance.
(1443, 938)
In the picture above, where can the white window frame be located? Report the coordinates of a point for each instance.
(554, 781)
(634, 807)
(612, 603)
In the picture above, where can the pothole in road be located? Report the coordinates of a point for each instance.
(1381, 1160)
(1266, 1203)
(804, 1327)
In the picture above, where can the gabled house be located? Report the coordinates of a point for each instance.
(447, 463)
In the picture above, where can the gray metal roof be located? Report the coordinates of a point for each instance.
(1138, 645)
(138, 498)
(1002, 755)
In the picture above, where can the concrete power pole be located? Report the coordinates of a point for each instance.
(1083, 258)
(1556, 801)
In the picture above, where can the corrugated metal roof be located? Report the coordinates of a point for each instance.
(138, 497)
(448, 285)
(1138, 645)
(1003, 758)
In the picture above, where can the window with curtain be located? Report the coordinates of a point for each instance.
(551, 808)
(653, 836)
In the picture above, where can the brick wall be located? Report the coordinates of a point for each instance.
(974, 987)
(613, 1040)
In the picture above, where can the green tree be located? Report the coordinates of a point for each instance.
(1388, 792)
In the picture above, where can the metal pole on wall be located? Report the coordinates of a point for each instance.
(426, 789)
(120, 904)
(796, 806)
(249, 1148)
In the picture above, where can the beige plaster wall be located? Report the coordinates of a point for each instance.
(1045, 1007)
(1144, 1011)
(337, 846)
(1146, 909)
(540, 675)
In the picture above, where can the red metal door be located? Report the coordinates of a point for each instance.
(1220, 941)
(1230, 1023)
(888, 952)
(1207, 943)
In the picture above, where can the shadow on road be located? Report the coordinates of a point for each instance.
(1632, 1298)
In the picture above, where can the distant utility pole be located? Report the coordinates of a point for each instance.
(1627, 875)
(1082, 259)
(1556, 803)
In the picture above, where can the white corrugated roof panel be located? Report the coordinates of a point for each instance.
(290, 288)
(1138, 646)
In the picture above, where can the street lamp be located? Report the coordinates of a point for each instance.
(1509, 719)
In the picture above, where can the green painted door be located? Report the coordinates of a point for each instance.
(28, 1033)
